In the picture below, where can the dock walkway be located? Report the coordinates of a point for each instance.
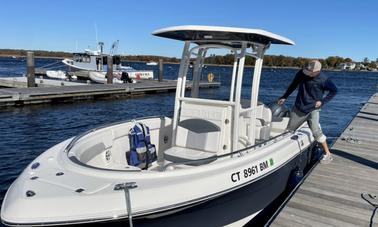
(344, 192)
(21, 82)
(35, 95)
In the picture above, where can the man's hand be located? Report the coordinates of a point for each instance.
(318, 104)
(281, 101)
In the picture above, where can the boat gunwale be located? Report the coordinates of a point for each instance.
(241, 152)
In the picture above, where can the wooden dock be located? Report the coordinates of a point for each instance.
(344, 192)
(36, 95)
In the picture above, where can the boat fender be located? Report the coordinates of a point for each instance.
(295, 177)
(142, 152)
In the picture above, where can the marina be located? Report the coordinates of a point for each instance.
(69, 127)
(229, 153)
(344, 192)
(111, 118)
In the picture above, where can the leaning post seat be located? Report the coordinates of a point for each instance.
(263, 120)
(280, 118)
(203, 132)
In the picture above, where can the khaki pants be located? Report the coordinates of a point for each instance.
(297, 118)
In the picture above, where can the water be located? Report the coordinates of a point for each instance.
(28, 131)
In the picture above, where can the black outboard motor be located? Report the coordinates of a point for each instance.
(278, 111)
(125, 78)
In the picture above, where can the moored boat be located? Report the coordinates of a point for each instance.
(230, 157)
(152, 63)
(82, 64)
(56, 74)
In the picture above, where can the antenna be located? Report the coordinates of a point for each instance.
(114, 47)
(77, 45)
(95, 25)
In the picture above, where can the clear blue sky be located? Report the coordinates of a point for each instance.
(319, 28)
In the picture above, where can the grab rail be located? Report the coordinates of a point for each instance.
(207, 101)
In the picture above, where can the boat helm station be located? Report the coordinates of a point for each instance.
(239, 124)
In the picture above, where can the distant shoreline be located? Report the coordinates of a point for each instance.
(24, 56)
(177, 63)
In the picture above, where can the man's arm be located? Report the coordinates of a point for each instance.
(329, 86)
(292, 86)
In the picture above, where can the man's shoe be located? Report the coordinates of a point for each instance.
(326, 159)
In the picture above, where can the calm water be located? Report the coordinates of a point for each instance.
(27, 131)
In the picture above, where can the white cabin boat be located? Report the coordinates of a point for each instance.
(218, 162)
(152, 63)
(96, 61)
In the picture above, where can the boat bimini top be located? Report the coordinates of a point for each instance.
(221, 35)
(241, 42)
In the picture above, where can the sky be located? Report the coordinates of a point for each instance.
(319, 28)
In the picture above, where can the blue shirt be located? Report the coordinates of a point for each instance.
(311, 90)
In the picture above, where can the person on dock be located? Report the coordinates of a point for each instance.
(312, 85)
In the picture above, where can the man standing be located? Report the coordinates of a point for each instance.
(312, 84)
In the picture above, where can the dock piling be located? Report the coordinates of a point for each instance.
(30, 69)
(109, 74)
(160, 70)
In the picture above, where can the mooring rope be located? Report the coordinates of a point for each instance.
(51, 64)
(369, 198)
(55, 67)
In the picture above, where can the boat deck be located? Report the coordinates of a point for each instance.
(333, 194)
(35, 95)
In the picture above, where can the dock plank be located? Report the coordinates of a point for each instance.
(331, 194)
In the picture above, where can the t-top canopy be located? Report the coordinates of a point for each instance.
(221, 35)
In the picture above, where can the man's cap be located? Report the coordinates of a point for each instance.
(312, 68)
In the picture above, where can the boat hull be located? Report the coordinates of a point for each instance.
(226, 209)
(244, 202)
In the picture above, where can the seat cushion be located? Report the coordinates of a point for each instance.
(181, 154)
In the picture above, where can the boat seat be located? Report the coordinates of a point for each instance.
(182, 154)
(278, 127)
(196, 139)
(203, 131)
(198, 134)
(263, 123)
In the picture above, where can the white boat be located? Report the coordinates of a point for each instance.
(99, 77)
(152, 63)
(219, 162)
(119, 77)
(56, 74)
(96, 61)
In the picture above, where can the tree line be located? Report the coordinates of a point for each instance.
(228, 59)
(37, 53)
(279, 61)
